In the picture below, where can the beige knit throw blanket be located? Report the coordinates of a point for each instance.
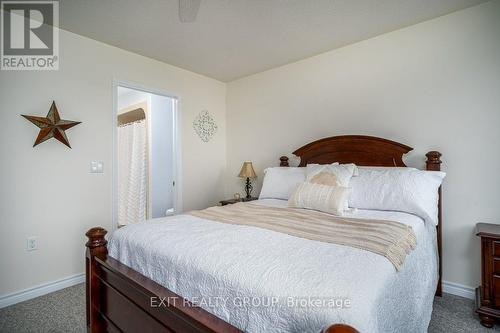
(392, 240)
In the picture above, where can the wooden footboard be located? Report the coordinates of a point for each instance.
(120, 299)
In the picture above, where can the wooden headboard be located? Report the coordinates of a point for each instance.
(366, 151)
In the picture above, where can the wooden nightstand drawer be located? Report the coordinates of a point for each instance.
(496, 291)
(496, 248)
(496, 266)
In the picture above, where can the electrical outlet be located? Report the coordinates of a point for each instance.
(31, 244)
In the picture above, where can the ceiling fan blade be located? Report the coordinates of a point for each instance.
(188, 9)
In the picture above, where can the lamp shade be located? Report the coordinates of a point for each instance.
(247, 171)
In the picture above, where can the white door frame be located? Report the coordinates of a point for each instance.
(177, 167)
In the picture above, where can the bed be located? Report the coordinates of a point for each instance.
(158, 276)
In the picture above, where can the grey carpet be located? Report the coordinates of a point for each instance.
(60, 312)
(64, 312)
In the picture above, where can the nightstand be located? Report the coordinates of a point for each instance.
(232, 201)
(488, 294)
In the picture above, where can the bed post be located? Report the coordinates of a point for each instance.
(96, 248)
(339, 328)
(433, 163)
(284, 161)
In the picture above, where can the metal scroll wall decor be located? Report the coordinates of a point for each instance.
(204, 125)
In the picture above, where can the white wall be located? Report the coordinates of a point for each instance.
(128, 97)
(162, 151)
(434, 85)
(48, 192)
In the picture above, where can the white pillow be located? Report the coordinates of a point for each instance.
(324, 198)
(399, 189)
(382, 168)
(356, 170)
(280, 182)
(342, 172)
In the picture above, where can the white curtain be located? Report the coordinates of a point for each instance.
(132, 172)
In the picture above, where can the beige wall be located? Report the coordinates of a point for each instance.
(434, 85)
(48, 192)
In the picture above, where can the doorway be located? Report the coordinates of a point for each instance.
(146, 155)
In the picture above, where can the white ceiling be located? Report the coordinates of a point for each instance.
(235, 38)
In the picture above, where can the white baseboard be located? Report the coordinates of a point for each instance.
(26, 294)
(459, 290)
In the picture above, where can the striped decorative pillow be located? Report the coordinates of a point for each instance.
(324, 198)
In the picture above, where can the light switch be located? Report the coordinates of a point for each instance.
(96, 167)
(31, 244)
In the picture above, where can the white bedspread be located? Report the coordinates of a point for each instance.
(198, 258)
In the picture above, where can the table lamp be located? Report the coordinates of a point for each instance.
(247, 172)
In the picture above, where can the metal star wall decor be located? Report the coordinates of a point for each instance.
(52, 126)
